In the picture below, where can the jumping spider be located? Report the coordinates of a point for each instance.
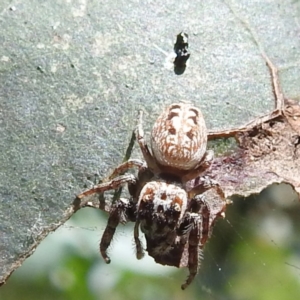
(168, 197)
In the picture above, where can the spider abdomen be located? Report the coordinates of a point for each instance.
(179, 137)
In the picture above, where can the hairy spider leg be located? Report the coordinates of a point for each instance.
(118, 214)
(138, 244)
(195, 253)
(202, 208)
(129, 164)
(110, 185)
(206, 228)
(198, 214)
(203, 184)
(118, 192)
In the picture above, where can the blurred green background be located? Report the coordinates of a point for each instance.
(253, 254)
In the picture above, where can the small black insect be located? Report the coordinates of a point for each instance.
(181, 49)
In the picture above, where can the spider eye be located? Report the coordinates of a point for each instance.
(163, 196)
(160, 209)
(177, 207)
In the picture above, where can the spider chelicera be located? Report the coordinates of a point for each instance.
(171, 203)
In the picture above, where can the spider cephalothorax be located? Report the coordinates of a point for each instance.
(168, 197)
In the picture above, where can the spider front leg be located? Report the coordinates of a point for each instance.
(119, 213)
(110, 185)
(137, 241)
(129, 164)
(194, 250)
(202, 184)
(208, 200)
(198, 222)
